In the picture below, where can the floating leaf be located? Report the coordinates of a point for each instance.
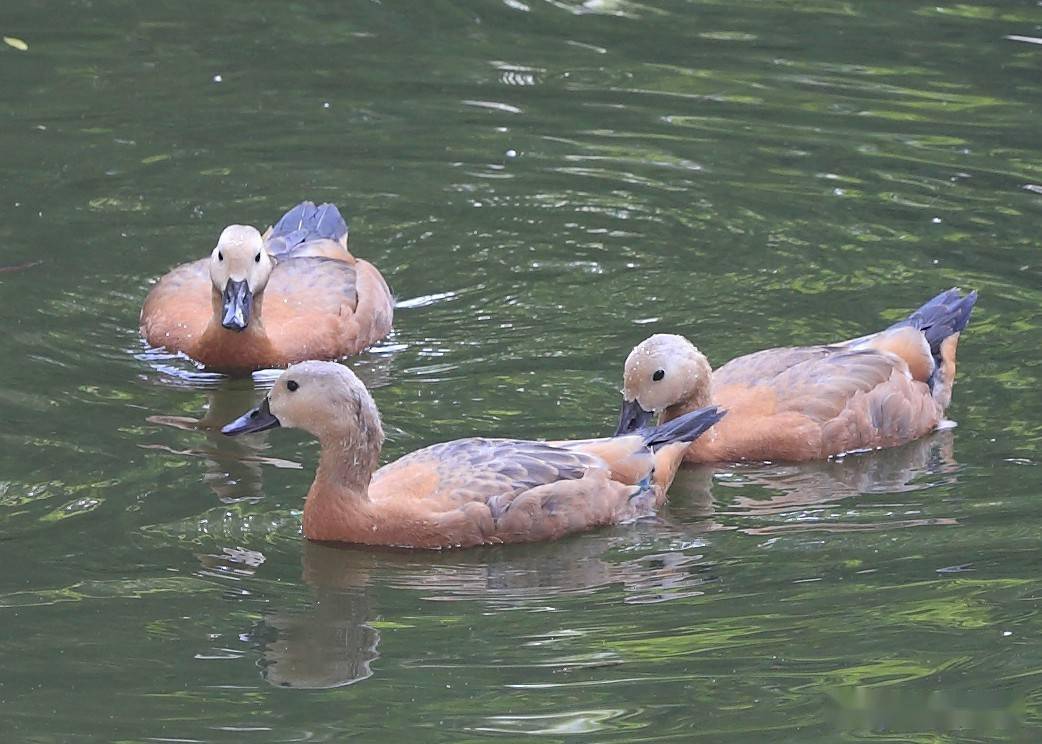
(387, 625)
(19, 267)
(14, 41)
(114, 589)
(116, 204)
(73, 509)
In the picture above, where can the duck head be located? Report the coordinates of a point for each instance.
(239, 269)
(325, 399)
(662, 371)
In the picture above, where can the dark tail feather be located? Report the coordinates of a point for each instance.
(686, 428)
(945, 314)
(307, 222)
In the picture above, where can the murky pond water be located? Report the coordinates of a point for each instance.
(544, 183)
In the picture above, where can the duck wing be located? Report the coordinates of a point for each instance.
(310, 286)
(309, 309)
(817, 381)
(481, 491)
(490, 471)
(178, 308)
(763, 366)
(811, 402)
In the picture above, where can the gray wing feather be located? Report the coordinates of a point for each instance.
(303, 223)
(499, 469)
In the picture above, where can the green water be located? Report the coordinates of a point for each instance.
(543, 183)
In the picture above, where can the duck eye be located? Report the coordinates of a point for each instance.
(658, 375)
(292, 386)
(256, 259)
(220, 256)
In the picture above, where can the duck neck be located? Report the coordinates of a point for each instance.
(236, 351)
(341, 464)
(700, 397)
(338, 506)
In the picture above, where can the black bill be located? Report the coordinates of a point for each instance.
(632, 417)
(238, 305)
(258, 419)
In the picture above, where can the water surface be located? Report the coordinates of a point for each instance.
(543, 183)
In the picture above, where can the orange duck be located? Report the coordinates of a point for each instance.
(807, 402)
(465, 492)
(258, 301)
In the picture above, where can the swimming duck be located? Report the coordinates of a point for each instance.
(258, 301)
(465, 492)
(808, 402)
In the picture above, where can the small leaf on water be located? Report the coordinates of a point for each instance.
(14, 41)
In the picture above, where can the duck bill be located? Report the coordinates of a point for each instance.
(258, 419)
(632, 417)
(237, 301)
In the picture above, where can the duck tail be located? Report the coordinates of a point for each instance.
(686, 428)
(669, 443)
(941, 320)
(307, 222)
(943, 316)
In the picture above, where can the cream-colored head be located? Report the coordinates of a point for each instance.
(239, 269)
(327, 400)
(662, 371)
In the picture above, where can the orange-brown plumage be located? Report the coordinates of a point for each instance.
(811, 402)
(469, 491)
(311, 299)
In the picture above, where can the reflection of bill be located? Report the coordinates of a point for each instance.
(235, 465)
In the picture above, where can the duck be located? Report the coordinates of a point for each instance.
(805, 402)
(466, 492)
(263, 301)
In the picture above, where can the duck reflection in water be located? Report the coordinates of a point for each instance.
(331, 643)
(771, 489)
(335, 639)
